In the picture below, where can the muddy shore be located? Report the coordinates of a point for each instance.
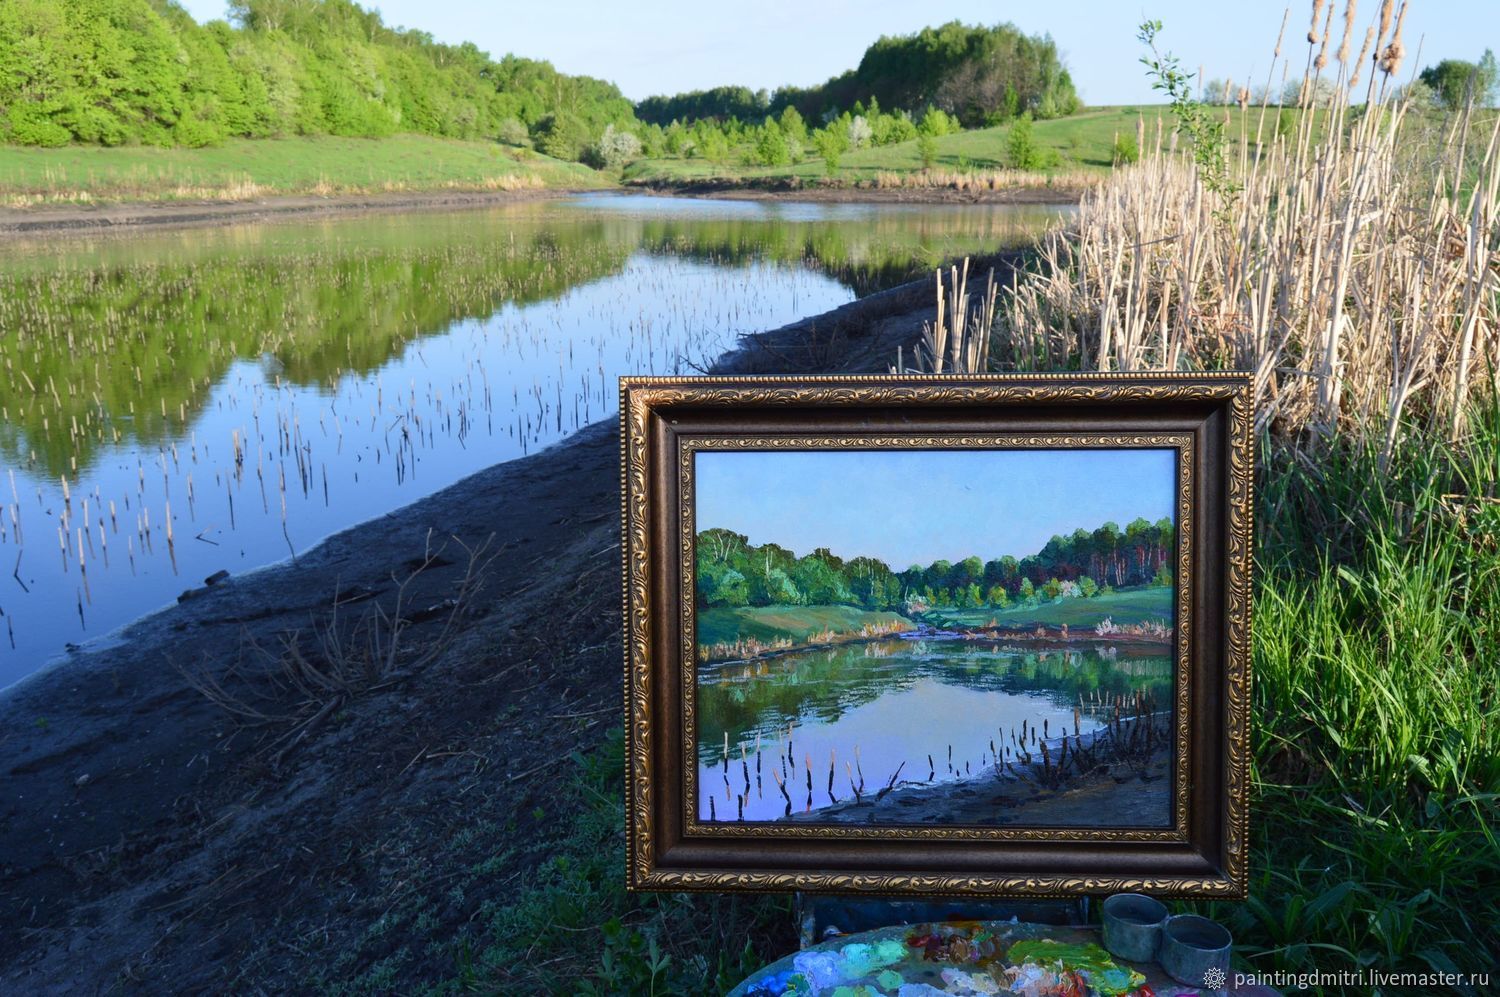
(781, 190)
(1132, 791)
(57, 220)
(63, 219)
(151, 841)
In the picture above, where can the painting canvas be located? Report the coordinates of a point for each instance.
(968, 637)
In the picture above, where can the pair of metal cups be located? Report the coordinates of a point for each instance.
(1190, 948)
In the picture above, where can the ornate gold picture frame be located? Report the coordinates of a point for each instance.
(1073, 628)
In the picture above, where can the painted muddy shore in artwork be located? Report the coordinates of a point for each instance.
(936, 637)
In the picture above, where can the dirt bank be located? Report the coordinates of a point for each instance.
(151, 841)
(184, 214)
(59, 220)
(779, 189)
(1133, 791)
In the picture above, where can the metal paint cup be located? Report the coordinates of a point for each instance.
(1132, 926)
(1191, 946)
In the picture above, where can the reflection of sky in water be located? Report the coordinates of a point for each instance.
(371, 393)
(897, 706)
(484, 391)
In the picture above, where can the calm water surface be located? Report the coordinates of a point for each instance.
(897, 703)
(179, 403)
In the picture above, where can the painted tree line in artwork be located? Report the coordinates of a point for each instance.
(731, 571)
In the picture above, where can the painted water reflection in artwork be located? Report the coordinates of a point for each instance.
(1017, 671)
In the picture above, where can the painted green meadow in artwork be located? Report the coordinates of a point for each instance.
(964, 637)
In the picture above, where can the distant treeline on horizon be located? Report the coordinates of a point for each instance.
(731, 571)
(979, 75)
(125, 72)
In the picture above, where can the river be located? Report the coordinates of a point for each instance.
(894, 712)
(176, 404)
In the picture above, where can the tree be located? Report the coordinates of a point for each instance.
(819, 583)
(711, 143)
(1021, 146)
(927, 150)
(770, 147)
(616, 148)
(859, 132)
(114, 71)
(793, 126)
(830, 143)
(1456, 82)
(935, 123)
(969, 571)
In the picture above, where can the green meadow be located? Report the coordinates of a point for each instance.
(241, 169)
(1123, 606)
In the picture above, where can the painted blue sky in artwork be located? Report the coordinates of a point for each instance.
(915, 507)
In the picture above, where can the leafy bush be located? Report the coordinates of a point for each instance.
(616, 147)
(1125, 150)
(562, 136)
(513, 132)
(859, 132)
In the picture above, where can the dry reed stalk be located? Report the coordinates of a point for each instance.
(958, 340)
(1362, 292)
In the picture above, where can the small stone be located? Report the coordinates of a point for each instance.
(82, 780)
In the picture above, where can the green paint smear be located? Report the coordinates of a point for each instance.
(1104, 974)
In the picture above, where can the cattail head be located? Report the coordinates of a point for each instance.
(1322, 59)
(1386, 7)
(1349, 13)
(1359, 64)
(1317, 15)
(1390, 59)
(1244, 97)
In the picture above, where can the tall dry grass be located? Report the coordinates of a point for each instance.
(975, 181)
(1352, 265)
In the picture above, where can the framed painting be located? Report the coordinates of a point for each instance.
(951, 635)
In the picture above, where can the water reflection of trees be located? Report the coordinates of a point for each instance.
(820, 686)
(112, 335)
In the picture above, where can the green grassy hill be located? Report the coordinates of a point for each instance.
(245, 168)
(1080, 146)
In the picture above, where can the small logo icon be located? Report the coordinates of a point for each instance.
(1214, 979)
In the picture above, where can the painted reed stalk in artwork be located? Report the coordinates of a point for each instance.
(1351, 264)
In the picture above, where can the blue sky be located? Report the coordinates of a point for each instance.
(667, 46)
(914, 507)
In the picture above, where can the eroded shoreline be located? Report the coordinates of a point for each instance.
(151, 840)
(49, 221)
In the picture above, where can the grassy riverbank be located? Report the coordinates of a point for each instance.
(1072, 152)
(1374, 730)
(746, 631)
(243, 169)
(1122, 607)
